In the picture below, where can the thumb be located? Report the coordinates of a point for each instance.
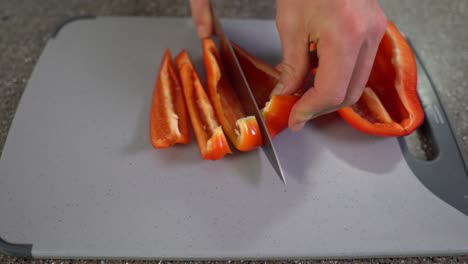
(295, 57)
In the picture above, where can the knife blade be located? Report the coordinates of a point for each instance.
(245, 94)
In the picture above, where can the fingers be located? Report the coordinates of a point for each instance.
(360, 75)
(294, 41)
(346, 38)
(201, 15)
(334, 73)
(364, 64)
(344, 69)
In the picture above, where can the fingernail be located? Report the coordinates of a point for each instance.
(298, 126)
(311, 115)
(278, 89)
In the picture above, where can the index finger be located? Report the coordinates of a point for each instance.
(337, 59)
(201, 15)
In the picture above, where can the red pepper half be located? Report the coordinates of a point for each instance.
(210, 137)
(168, 117)
(242, 130)
(390, 104)
(262, 78)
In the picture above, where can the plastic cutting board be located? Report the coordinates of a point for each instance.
(79, 178)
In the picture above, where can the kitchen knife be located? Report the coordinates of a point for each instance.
(245, 94)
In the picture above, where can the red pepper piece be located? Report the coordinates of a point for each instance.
(210, 137)
(262, 78)
(390, 104)
(242, 130)
(276, 112)
(168, 118)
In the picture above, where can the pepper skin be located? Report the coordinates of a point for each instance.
(242, 130)
(389, 105)
(210, 137)
(168, 117)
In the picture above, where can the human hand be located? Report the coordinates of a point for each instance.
(201, 15)
(347, 35)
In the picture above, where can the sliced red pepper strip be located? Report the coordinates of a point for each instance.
(242, 130)
(210, 137)
(276, 112)
(390, 104)
(262, 78)
(168, 117)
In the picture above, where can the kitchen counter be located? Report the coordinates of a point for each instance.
(437, 29)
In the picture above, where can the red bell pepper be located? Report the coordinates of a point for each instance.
(262, 78)
(168, 117)
(210, 137)
(242, 130)
(390, 104)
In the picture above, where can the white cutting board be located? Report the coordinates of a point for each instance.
(79, 178)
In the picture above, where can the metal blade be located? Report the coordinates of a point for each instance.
(245, 94)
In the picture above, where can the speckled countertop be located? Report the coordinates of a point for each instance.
(436, 27)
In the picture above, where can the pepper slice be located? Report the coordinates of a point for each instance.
(242, 130)
(390, 104)
(168, 117)
(262, 78)
(210, 137)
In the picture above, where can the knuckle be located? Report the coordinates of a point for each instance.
(379, 27)
(287, 70)
(382, 27)
(349, 40)
(294, 66)
(329, 99)
(336, 100)
(352, 99)
(290, 75)
(356, 28)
